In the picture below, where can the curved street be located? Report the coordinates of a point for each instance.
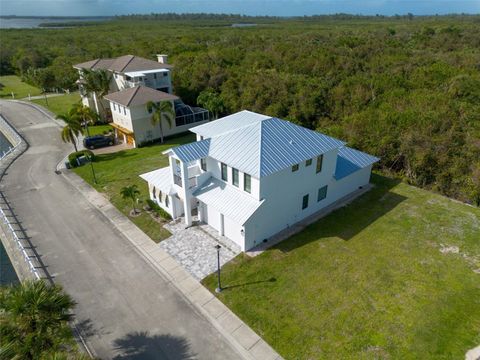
(126, 309)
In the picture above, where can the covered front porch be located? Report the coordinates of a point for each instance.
(123, 134)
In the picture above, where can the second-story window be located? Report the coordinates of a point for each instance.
(154, 192)
(124, 111)
(165, 74)
(235, 177)
(155, 76)
(114, 107)
(308, 162)
(294, 167)
(247, 183)
(319, 163)
(224, 172)
(203, 164)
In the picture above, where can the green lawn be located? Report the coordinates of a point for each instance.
(368, 281)
(98, 129)
(115, 171)
(19, 88)
(59, 104)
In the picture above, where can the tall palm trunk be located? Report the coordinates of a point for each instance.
(75, 145)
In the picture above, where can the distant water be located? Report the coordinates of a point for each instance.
(7, 273)
(29, 23)
(4, 144)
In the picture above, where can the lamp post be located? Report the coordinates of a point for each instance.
(93, 171)
(219, 287)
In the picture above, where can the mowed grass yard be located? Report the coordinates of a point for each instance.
(59, 104)
(368, 281)
(114, 171)
(13, 83)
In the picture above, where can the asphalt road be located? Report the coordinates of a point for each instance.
(126, 310)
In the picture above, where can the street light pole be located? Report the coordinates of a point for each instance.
(93, 171)
(219, 287)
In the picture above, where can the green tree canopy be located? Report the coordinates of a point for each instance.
(35, 320)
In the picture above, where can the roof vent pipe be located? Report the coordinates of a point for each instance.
(162, 58)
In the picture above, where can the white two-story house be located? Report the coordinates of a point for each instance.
(131, 119)
(135, 82)
(251, 176)
(127, 71)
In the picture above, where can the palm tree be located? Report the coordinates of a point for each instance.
(84, 114)
(34, 319)
(97, 82)
(71, 130)
(130, 192)
(162, 110)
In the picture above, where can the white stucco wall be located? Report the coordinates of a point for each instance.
(138, 120)
(214, 166)
(233, 232)
(283, 193)
(175, 205)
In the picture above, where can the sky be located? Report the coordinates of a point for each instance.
(247, 7)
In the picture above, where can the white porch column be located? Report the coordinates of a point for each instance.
(200, 211)
(174, 207)
(222, 226)
(186, 195)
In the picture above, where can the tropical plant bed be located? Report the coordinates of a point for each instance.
(394, 275)
(120, 169)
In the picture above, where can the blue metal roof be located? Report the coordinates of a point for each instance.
(261, 146)
(265, 147)
(192, 151)
(228, 123)
(350, 160)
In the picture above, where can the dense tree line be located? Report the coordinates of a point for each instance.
(406, 89)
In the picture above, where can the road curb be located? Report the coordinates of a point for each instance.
(247, 343)
(25, 273)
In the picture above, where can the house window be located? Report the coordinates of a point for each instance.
(166, 201)
(247, 183)
(305, 202)
(155, 76)
(114, 107)
(203, 164)
(224, 172)
(165, 74)
(294, 167)
(160, 195)
(319, 163)
(235, 177)
(322, 193)
(154, 192)
(124, 111)
(308, 162)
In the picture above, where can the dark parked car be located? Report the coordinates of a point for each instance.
(93, 142)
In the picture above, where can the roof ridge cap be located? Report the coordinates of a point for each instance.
(133, 95)
(129, 61)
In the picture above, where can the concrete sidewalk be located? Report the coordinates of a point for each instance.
(244, 339)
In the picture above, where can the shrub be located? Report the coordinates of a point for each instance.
(158, 210)
(72, 158)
